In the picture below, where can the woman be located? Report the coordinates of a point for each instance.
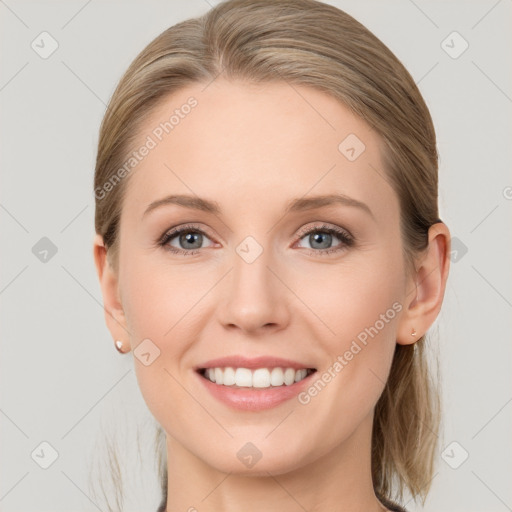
(269, 247)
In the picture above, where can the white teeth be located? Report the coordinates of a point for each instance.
(289, 376)
(243, 377)
(229, 377)
(276, 377)
(260, 378)
(301, 374)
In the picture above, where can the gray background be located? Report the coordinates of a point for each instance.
(61, 380)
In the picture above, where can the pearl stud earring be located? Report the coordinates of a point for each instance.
(119, 346)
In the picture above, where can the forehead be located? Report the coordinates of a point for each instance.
(252, 142)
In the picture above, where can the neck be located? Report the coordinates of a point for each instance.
(339, 480)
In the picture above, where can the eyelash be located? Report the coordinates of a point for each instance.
(346, 239)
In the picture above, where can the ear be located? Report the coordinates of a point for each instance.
(425, 289)
(109, 283)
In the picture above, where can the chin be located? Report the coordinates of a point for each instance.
(248, 460)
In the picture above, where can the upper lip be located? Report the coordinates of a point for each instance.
(239, 361)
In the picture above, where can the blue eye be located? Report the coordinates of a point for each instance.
(323, 236)
(190, 239)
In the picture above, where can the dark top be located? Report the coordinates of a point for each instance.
(388, 504)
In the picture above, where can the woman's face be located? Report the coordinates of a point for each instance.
(259, 276)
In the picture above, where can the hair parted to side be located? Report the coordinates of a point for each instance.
(308, 43)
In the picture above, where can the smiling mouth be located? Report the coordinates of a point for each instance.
(261, 378)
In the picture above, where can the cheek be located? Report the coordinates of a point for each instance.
(342, 301)
(152, 296)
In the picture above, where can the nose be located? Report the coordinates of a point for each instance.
(257, 298)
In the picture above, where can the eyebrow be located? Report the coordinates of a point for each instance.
(296, 205)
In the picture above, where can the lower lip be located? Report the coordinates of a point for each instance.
(254, 399)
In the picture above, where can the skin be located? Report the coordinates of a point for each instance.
(252, 149)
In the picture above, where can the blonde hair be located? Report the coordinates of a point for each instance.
(308, 43)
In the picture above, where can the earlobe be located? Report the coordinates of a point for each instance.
(109, 284)
(426, 287)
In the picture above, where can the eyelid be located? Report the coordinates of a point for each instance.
(325, 226)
